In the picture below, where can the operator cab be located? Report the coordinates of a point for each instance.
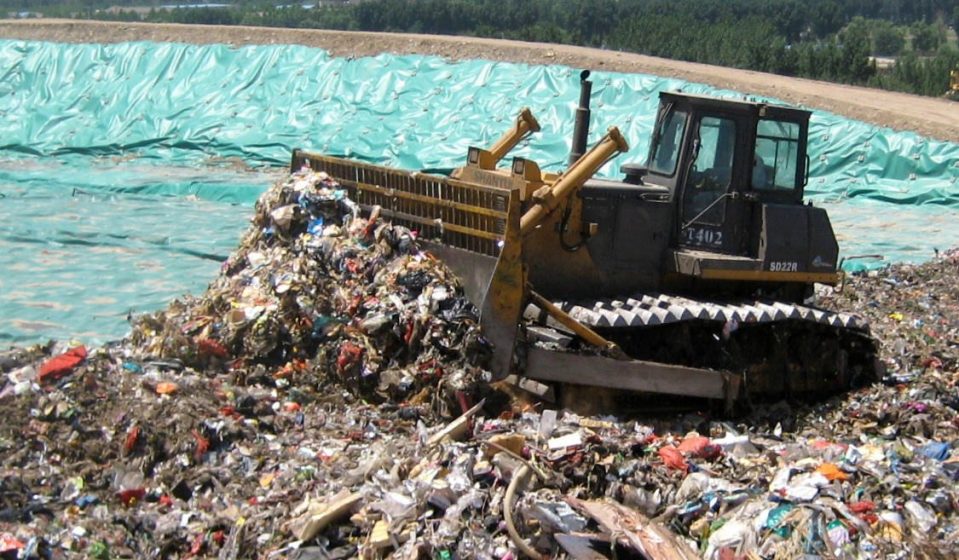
(721, 160)
(717, 206)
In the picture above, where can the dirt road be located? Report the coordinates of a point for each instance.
(935, 118)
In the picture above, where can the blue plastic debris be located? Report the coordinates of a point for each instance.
(935, 450)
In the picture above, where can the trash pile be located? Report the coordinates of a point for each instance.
(326, 398)
(315, 289)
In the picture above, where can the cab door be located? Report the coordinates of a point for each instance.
(711, 213)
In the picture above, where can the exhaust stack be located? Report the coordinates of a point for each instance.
(581, 126)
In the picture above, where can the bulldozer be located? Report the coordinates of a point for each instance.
(687, 277)
(953, 92)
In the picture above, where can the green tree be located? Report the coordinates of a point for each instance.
(926, 37)
(854, 65)
(887, 39)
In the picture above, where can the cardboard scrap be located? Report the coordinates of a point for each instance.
(634, 530)
(380, 535)
(320, 514)
(514, 443)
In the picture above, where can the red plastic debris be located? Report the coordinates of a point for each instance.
(230, 412)
(699, 446)
(693, 444)
(202, 445)
(9, 543)
(210, 347)
(865, 510)
(197, 546)
(649, 439)
(429, 369)
(673, 458)
(350, 356)
(131, 496)
(133, 435)
(219, 537)
(165, 500)
(463, 400)
(862, 507)
(62, 365)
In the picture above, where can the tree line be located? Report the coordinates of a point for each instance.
(833, 40)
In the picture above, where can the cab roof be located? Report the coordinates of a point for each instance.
(742, 106)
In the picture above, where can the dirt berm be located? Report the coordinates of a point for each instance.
(936, 118)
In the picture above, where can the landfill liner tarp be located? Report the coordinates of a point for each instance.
(176, 102)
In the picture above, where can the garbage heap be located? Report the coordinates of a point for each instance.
(316, 295)
(324, 399)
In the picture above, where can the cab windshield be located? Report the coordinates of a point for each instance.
(667, 141)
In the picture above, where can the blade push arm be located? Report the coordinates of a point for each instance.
(524, 125)
(549, 197)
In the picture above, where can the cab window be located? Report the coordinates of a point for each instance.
(775, 161)
(711, 173)
(667, 142)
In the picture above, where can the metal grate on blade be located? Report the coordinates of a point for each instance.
(453, 212)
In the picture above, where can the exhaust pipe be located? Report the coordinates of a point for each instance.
(581, 126)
